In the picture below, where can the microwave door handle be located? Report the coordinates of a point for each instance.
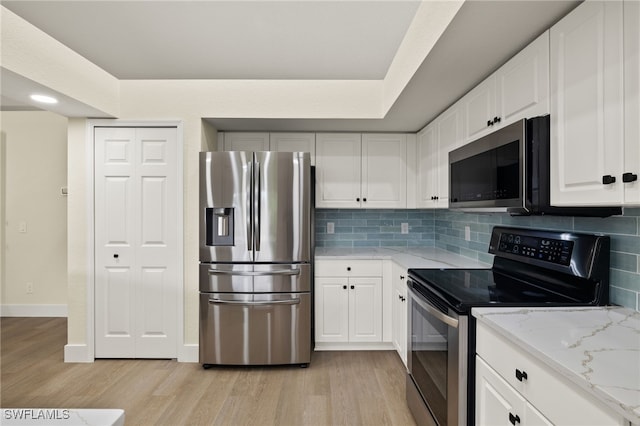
(440, 316)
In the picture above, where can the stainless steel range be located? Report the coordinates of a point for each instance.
(255, 258)
(530, 268)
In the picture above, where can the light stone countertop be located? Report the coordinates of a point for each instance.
(597, 348)
(417, 257)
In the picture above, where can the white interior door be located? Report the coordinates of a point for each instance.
(136, 242)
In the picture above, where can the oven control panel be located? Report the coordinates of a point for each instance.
(545, 249)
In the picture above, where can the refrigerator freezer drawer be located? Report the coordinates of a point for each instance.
(255, 329)
(253, 278)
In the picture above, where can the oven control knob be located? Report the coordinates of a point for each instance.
(516, 249)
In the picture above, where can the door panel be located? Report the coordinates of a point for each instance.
(282, 207)
(136, 242)
(225, 182)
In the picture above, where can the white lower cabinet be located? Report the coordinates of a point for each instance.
(399, 311)
(348, 301)
(513, 387)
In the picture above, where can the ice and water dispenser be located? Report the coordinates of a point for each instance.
(219, 226)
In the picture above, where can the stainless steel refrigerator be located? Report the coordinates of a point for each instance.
(255, 258)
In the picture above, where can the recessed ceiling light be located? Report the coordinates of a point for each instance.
(44, 99)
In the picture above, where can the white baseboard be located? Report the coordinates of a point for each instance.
(77, 353)
(346, 346)
(189, 353)
(33, 310)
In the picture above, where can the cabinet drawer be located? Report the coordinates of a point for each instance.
(542, 387)
(348, 268)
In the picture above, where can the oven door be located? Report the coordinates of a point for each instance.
(437, 360)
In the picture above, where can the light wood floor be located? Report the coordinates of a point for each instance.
(338, 388)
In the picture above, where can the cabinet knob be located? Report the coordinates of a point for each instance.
(364, 199)
(514, 419)
(353, 286)
(629, 177)
(348, 268)
(521, 375)
(358, 199)
(608, 179)
(344, 287)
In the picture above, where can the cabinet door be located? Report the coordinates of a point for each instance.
(294, 142)
(246, 141)
(496, 401)
(331, 309)
(384, 175)
(427, 174)
(480, 109)
(449, 138)
(399, 314)
(522, 84)
(365, 309)
(586, 105)
(338, 170)
(632, 102)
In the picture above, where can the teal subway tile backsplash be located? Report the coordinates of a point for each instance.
(445, 229)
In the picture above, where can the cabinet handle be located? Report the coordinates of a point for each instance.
(403, 298)
(608, 179)
(115, 256)
(514, 419)
(521, 375)
(352, 287)
(344, 287)
(489, 123)
(400, 297)
(402, 277)
(496, 119)
(629, 177)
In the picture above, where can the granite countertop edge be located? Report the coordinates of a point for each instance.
(630, 410)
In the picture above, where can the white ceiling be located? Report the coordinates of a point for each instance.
(303, 39)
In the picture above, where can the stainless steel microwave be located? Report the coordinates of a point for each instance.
(509, 170)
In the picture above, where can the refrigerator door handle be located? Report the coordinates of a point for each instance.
(250, 206)
(254, 273)
(214, 301)
(256, 211)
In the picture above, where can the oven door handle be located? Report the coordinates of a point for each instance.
(441, 316)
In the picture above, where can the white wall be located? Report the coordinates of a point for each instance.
(35, 168)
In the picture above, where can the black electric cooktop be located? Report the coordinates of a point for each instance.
(463, 289)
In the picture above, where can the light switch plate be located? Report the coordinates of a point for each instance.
(330, 228)
(467, 233)
(404, 228)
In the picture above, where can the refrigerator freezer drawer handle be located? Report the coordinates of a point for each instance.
(258, 303)
(255, 273)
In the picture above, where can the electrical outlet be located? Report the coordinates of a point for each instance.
(331, 228)
(22, 227)
(404, 228)
(29, 288)
(467, 233)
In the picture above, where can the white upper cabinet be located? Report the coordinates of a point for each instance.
(361, 171)
(246, 141)
(294, 142)
(519, 89)
(587, 125)
(338, 170)
(384, 174)
(522, 84)
(434, 143)
(631, 169)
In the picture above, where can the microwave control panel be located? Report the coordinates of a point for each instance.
(545, 249)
